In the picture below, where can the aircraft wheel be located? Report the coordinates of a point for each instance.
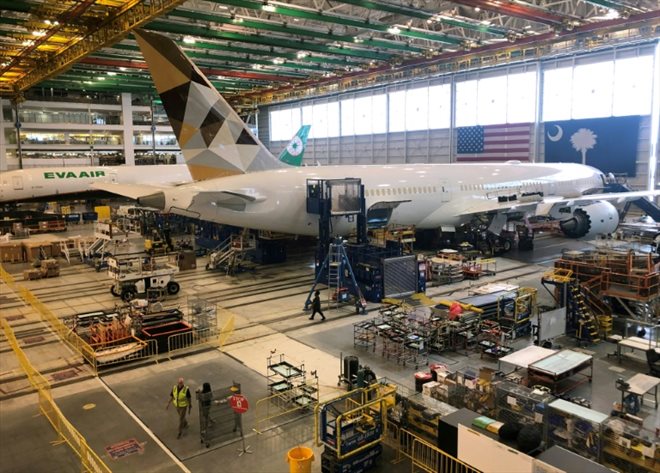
(173, 287)
(113, 291)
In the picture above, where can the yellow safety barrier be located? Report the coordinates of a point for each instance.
(90, 461)
(65, 333)
(423, 454)
(431, 459)
(184, 341)
(227, 329)
(283, 403)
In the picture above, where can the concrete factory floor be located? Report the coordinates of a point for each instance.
(122, 415)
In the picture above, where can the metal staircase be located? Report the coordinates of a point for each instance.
(587, 316)
(337, 271)
(230, 254)
(645, 205)
(581, 317)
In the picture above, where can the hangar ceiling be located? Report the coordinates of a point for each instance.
(259, 51)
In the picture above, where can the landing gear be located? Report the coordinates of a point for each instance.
(173, 288)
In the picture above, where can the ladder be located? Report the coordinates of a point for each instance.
(334, 268)
(336, 265)
(586, 324)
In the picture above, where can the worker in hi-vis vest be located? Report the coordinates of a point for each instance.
(180, 397)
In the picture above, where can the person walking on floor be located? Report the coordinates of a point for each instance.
(205, 400)
(316, 306)
(180, 397)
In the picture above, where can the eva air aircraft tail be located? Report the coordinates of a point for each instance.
(294, 152)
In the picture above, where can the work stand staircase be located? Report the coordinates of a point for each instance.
(230, 254)
(340, 279)
(584, 321)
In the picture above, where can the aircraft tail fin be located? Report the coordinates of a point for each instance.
(214, 140)
(294, 151)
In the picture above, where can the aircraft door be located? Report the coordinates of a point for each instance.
(17, 182)
(445, 194)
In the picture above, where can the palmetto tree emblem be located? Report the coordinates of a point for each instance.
(583, 140)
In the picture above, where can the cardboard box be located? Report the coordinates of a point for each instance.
(31, 274)
(11, 252)
(429, 388)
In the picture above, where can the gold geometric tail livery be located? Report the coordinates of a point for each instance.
(214, 140)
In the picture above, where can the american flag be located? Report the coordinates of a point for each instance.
(494, 142)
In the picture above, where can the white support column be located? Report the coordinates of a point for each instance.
(654, 146)
(538, 118)
(127, 122)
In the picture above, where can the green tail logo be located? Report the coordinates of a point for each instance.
(293, 153)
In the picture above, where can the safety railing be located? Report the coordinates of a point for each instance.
(65, 333)
(431, 459)
(284, 403)
(90, 461)
(196, 338)
(227, 329)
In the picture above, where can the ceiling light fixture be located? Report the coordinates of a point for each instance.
(189, 40)
(110, 73)
(302, 54)
(38, 33)
(268, 7)
(394, 30)
(122, 69)
(477, 9)
(278, 60)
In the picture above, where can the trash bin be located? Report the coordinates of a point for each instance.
(300, 460)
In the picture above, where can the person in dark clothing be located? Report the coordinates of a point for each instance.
(180, 397)
(205, 400)
(316, 306)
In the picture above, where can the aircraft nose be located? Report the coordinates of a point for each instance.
(156, 200)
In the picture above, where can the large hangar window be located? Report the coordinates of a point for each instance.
(439, 106)
(600, 89)
(633, 86)
(324, 119)
(364, 115)
(506, 98)
(284, 123)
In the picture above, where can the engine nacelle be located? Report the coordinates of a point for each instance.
(167, 199)
(590, 220)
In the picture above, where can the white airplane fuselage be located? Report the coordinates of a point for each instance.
(43, 183)
(429, 195)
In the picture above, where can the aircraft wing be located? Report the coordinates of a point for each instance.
(132, 191)
(543, 206)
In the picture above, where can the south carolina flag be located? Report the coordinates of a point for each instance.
(494, 142)
(608, 144)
